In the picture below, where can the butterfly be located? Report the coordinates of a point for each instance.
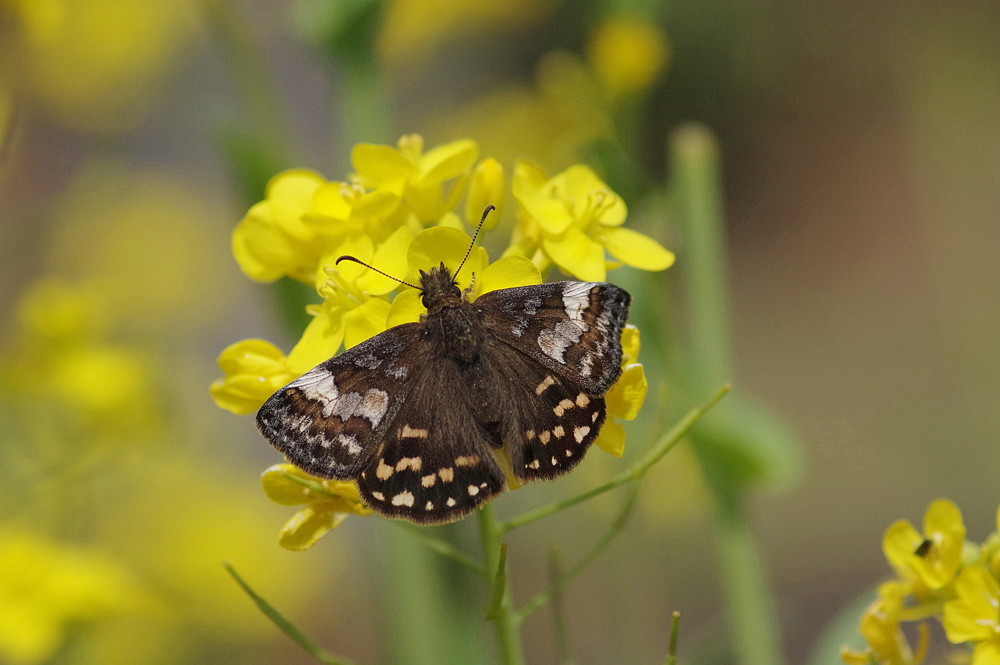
(425, 416)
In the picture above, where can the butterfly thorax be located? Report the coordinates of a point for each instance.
(450, 317)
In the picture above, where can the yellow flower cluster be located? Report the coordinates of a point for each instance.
(396, 211)
(939, 574)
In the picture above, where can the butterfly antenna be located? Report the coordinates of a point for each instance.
(474, 236)
(348, 257)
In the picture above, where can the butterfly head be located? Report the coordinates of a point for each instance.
(439, 288)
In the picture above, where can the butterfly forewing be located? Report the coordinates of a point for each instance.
(571, 328)
(329, 421)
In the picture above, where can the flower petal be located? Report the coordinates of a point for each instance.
(637, 250)
(576, 254)
(627, 396)
(506, 273)
(611, 439)
(366, 320)
(307, 526)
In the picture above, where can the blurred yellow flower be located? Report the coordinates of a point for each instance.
(628, 54)
(974, 616)
(62, 353)
(92, 64)
(572, 218)
(929, 560)
(48, 588)
(325, 504)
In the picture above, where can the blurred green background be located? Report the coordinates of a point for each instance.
(860, 147)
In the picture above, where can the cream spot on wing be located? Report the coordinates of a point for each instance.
(529, 435)
(554, 461)
(569, 453)
(548, 381)
(408, 462)
(447, 475)
(403, 499)
(473, 490)
(594, 417)
(558, 431)
(450, 501)
(429, 506)
(428, 480)
(534, 464)
(544, 437)
(384, 471)
(379, 496)
(579, 433)
(562, 407)
(466, 460)
(582, 400)
(413, 433)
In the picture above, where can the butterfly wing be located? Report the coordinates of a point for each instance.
(549, 421)
(434, 464)
(329, 421)
(572, 328)
(557, 348)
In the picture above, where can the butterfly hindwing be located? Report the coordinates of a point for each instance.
(434, 463)
(551, 421)
(572, 328)
(328, 422)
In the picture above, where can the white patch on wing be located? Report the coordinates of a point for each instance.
(372, 406)
(350, 442)
(318, 385)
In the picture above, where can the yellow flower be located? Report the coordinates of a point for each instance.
(486, 188)
(572, 218)
(628, 54)
(47, 588)
(325, 504)
(253, 370)
(625, 397)
(441, 244)
(880, 626)
(273, 240)
(417, 176)
(929, 560)
(974, 616)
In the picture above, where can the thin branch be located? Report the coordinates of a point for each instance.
(613, 530)
(285, 625)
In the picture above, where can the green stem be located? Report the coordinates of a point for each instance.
(675, 622)
(697, 190)
(749, 600)
(635, 472)
(508, 636)
(441, 547)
